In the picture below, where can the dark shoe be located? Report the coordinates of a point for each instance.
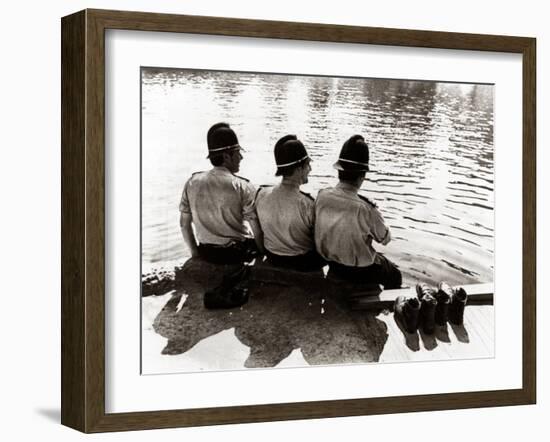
(236, 278)
(231, 293)
(218, 299)
(443, 297)
(406, 311)
(459, 299)
(428, 304)
(423, 289)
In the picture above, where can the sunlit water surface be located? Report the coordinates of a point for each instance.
(431, 156)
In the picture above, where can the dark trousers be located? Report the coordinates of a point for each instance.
(383, 271)
(308, 262)
(237, 253)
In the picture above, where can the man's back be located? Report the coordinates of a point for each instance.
(345, 225)
(219, 202)
(286, 216)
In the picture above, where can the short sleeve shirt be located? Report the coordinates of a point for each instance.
(286, 216)
(219, 203)
(346, 224)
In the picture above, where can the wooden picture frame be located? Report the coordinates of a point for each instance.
(83, 219)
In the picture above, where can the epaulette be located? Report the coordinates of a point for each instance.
(308, 195)
(242, 178)
(262, 186)
(364, 198)
(194, 175)
(257, 192)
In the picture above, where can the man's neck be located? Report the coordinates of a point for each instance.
(291, 181)
(222, 168)
(350, 186)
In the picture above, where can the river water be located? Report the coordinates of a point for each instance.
(431, 148)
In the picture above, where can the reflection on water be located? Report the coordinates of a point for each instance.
(431, 154)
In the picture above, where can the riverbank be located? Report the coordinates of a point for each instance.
(285, 324)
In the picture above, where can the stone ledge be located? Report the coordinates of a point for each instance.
(359, 296)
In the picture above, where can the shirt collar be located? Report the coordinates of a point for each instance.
(291, 184)
(346, 187)
(221, 169)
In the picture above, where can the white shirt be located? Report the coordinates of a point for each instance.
(286, 216)
(219, 202)
(345, 224)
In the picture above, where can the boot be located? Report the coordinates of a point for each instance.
(428, 304)
(406, 311)
(456, 307)
(231, 293)
(423, 289)
(443, 297)
(219, 299)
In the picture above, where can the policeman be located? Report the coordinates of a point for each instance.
(346, 223)
(285, 213)
(220, 204)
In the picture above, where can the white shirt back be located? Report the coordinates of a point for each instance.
(219, 202)
(346, 224)
(286, 216)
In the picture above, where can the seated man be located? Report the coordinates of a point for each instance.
(218, 202)
(286, 214)
(346, 223)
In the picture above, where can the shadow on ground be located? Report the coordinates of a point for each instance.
(51, 414)
(278, 318)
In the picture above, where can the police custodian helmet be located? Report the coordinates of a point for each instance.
(354, 155)
(220, 138)
(289, 151)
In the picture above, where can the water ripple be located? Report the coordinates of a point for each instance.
(431, 148)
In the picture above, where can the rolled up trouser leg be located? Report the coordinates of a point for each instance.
(308, 262)
(383, 271)
(390, 275)
(236, 253)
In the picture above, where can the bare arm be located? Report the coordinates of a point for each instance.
(188, 235)
(373, 222)
(258, 234)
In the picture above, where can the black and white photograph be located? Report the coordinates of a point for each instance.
(119, 320)
(295, 220)
(244, 221)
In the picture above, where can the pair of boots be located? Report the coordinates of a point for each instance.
(231, 293)
(431, 307)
